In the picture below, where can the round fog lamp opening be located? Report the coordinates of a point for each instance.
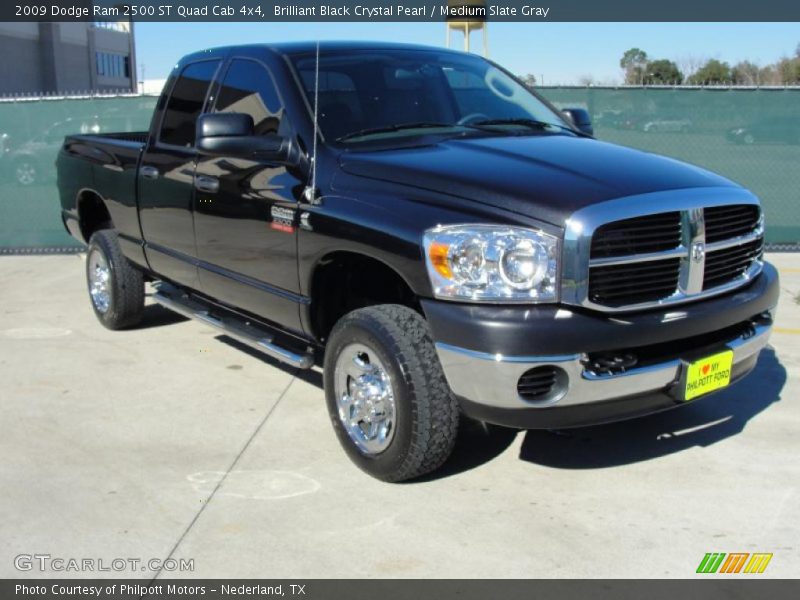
(524, 265)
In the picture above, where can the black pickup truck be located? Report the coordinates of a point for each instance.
(436, 236)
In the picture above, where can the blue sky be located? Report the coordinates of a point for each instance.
(556, 52)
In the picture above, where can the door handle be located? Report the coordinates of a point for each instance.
(149, 172)
(203, 183)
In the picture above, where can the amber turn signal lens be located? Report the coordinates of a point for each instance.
(437, 252)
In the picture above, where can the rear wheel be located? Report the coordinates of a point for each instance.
(116, 289)
(388, 400)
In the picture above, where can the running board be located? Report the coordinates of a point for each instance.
(255, 337)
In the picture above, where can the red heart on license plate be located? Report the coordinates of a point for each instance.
(706, 368)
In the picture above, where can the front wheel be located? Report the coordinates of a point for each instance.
(116, 289)
(387, 397)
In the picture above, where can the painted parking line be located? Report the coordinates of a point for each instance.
(786, 330)
(789, 270)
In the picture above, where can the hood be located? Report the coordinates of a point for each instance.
(547, 177)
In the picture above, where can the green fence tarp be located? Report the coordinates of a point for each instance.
(31, 133)
(749, 135)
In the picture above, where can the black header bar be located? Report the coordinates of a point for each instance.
(710, 587)
(402, 10)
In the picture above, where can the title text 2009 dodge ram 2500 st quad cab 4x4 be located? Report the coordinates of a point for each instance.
(447, 242)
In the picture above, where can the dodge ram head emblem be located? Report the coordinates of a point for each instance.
(698, 251)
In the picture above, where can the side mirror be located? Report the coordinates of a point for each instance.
(580, 118)
(232, 134)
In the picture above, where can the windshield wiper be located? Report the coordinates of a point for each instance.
(529, 123)
(398, 127)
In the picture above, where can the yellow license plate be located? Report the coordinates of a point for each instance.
(708, 374)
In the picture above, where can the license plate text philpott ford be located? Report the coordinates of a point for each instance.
(708, 374)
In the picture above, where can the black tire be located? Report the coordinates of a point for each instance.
(125, 288)
(426, 412)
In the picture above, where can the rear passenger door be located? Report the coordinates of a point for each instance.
(245, 228)
(166, 177)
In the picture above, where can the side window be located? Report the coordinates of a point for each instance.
(186, 102)
(248, 88)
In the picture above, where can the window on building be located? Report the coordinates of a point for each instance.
(112, 65)
(185, 103)
(248, 88)
(112, 25)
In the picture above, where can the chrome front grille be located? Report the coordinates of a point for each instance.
(661, 257)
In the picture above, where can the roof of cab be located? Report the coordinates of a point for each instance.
(307, 47)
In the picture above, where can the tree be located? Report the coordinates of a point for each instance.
(689, 64)
(768, 76)
(789, 70)
(713, 72)
(529, 80)
(746, 73)
(663, 72)
(634, 62)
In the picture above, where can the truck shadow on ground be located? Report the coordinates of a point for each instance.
(155, 315)
(702, 423)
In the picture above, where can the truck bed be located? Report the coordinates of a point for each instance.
(107, 164)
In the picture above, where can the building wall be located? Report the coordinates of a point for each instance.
(73, 68)
(61, 57)
(23, 74)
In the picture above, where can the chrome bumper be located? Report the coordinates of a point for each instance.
(491, 379)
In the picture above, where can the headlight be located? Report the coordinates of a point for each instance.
(491, 263)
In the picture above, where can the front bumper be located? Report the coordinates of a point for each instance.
(484, 350)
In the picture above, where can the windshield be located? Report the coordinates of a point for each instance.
(389, 94)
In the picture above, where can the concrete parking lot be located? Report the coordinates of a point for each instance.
(173, 441)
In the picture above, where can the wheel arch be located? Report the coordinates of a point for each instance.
(93, 213)
(334, 291)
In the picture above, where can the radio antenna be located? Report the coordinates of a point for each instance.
(311, 193)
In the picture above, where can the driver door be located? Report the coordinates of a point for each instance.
(246, 210)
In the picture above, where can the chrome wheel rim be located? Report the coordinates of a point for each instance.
(99, 276)
(26, 173)
(364, 398)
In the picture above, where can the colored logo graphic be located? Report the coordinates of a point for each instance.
(735, 562)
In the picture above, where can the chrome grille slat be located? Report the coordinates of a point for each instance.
(758, 234)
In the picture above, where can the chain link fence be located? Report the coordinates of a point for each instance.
(751, 135)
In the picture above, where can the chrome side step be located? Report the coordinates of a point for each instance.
(255, 337)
